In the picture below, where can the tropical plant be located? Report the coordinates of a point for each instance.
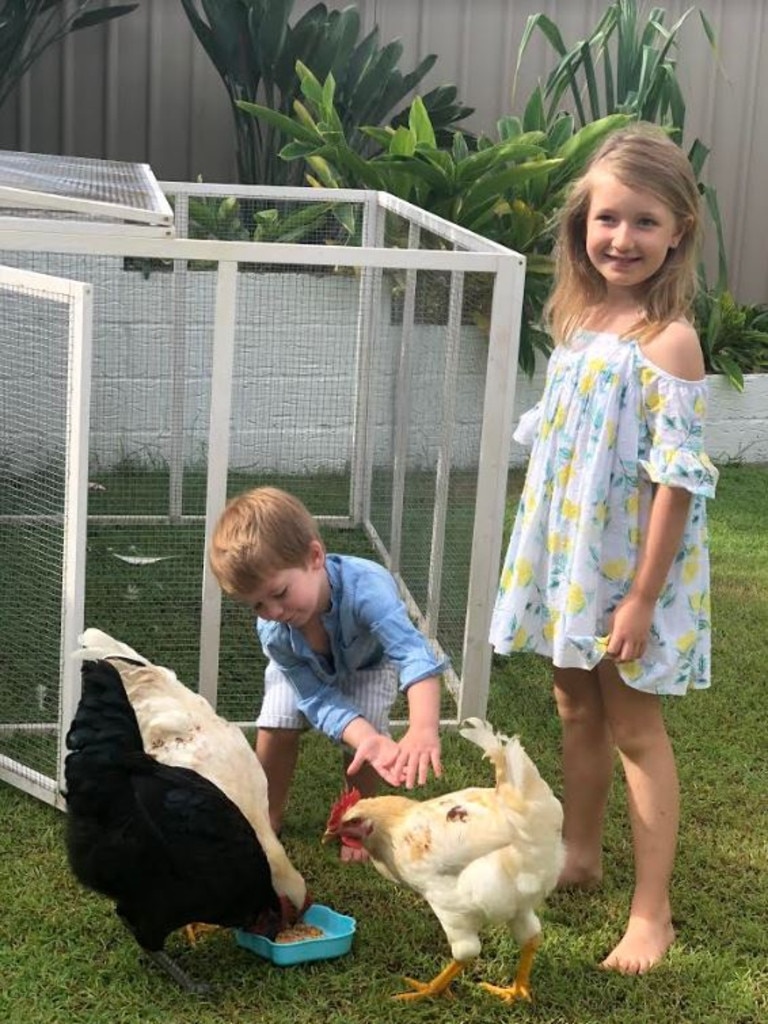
(29, 27)
(638, 60)
(238, 220)
(506, 190)
(254, 48)
(734, 336)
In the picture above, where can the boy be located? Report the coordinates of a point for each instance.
(337, 636)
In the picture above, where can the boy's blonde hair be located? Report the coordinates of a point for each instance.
(258, 534)
(644, 158)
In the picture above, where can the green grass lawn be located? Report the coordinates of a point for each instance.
(65, 958)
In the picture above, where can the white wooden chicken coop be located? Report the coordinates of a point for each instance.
(156, 360)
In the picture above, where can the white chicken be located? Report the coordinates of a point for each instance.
(477, 856)
(180, 728)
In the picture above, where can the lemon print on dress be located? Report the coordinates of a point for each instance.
(523, 572)
(599, 513)
(558, 543)
(564, 475)
(686, 641)
(691, 566)
(655, 402)
(570, 509)
(520, 639)
(697, 602)
(506, 578)
(630, 671)
(616, 568)
(549, 627)
(576, 601)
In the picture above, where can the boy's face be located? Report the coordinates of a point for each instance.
(294, 596)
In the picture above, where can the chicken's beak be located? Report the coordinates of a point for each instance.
(328, 837)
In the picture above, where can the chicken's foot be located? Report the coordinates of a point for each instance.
(521, 986)
(436, 987)
(195, 931)
(179, 975)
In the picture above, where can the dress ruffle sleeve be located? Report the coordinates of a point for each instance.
(528, 426)
(675, 411)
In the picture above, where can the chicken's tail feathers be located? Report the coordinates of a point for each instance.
(492, 743)
(95, 644)
(512, 763)
(103, 740)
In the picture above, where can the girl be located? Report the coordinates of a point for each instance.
(607, 569)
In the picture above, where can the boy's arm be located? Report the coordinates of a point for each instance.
(420, 746)
(407, 762)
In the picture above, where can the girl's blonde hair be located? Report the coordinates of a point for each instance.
(258, 534)
(644, 158)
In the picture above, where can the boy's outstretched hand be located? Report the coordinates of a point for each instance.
(406, 762)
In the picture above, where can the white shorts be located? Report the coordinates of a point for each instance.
(373, 691)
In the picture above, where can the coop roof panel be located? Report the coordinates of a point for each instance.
(101, 188)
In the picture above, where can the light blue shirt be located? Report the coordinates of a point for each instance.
(367, 623)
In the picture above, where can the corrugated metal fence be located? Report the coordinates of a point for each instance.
(143, 89)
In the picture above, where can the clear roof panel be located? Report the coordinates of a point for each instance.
(104, 188)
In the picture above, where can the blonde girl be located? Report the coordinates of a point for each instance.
(607, 570)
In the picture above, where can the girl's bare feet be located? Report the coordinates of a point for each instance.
(580, 872)
(642, 946)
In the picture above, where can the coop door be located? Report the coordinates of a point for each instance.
(45, 351)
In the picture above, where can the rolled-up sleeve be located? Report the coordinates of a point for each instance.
(383, 611)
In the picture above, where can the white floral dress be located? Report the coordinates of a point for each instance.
(609, 426)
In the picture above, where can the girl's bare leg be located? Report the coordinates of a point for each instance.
(587, 772)
(646, 753)
(278, 751)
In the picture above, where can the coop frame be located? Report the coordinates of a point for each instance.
(472, 254)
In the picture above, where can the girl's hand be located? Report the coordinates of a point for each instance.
(417, 751)
(630, 628)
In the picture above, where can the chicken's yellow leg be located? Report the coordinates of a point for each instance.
(194, 931)
(435, 987)
(521, 986)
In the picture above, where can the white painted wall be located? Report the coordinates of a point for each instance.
(294, 389)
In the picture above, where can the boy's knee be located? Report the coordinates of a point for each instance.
(280, 735)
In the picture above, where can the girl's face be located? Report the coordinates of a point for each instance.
(294, 596)
(629, 234)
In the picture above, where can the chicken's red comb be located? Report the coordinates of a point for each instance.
(348, 798)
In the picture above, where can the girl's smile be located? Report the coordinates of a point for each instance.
(629, 233)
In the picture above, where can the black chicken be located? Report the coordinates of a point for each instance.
(163, 842)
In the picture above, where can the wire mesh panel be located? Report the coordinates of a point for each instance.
(82, 185)
(43, 417)
(358, 353)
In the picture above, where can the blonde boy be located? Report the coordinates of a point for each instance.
(338, 638)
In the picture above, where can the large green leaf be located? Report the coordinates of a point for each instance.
(281, 121)
(256, 51)
(30, 27)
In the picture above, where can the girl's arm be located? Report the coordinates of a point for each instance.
(633, 616)
(675, 350)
